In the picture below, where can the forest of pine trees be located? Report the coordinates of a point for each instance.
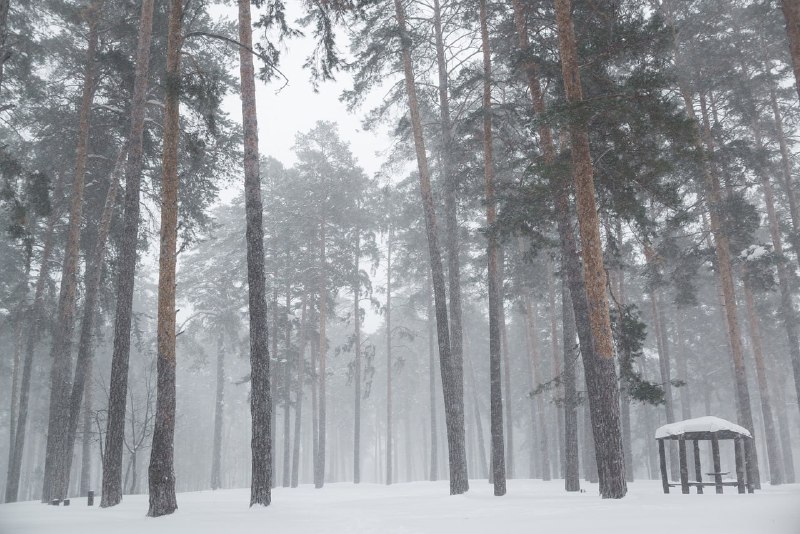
(583, 224)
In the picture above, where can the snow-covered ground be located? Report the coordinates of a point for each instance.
(419, 507)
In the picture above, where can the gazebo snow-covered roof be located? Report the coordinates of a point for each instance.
(711, 429)
(702, 428)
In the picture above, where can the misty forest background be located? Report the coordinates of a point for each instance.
(586, 226)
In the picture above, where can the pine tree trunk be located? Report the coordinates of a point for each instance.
(590, 473)
(783, 430)
(287, 388)
(624, 395)
(111, 491)
(34, 316)
(600, 372)
(558, 393)
(509, 415)
(434, 467)
(791, 12)
(83, 365)
(15, 379)
(260, 392)
(572, 480)
(389, 362)
(494, 281)
(537, 402)
(61, 351)
(452, 381)
(161, 472)
(301, 349)
(86, 445)
(319, 464)
(5, 52)
(357, 360)
(273, 387)
(219, 409)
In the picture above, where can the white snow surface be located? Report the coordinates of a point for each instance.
(708, 423)
(530, 506)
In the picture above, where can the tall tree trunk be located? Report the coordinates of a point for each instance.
(300, 366)
(509, 415)
(601, 375)
(161, 472)
(452, 389)
(260, 392)
(34, 316)
(572, 480)
(319, 465)
(556, 369)
(791, 12)
(86, 445)
(5, 52)
(15, 379)
(287, 388)
(389, 479)
(537, 401)
(624, 393)
(434, 471)
(773, 455)
(111, 491)
(219, 409)
(713, 194)
(357, 360)
(451, 220)
(61, 351)
(83, 366)
(783, 430)
(495, 298)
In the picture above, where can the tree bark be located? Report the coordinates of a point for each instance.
(111, 491)
(260, 392)
(572, 480)
(452, 390)
(434, 464)
(61, 351)
(495, 298)
(791, 12)
(219, 409)
(357, 359)
(601, 375)
(161, 472)
(389, 479)
(556, 369)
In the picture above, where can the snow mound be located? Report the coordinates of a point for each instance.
(709, 423)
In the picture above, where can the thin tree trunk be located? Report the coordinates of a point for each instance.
(791, 12)
(301, 349)
(556, 369)
(601, 375)
(624, 394)
(219, 409)
(161, 472)
(495, 298)
(773, 454)
(452, 389)
(434, 467)
(509, 404)
(287, 388)
(319, 464)
(111, 490)
(572, 480)
(5, 52)
(785, 435)
(15, 379)
(260, 392)
(389, 479)
(357, 360)
(537, 401)
(61, 351)
(86, 445)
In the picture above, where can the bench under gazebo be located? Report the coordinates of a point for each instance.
(706, 428)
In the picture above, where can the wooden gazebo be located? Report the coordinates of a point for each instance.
(711, 429)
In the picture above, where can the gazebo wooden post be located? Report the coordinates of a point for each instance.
(698, 473)
(662, 458)
(740, 467)
(684, 467)
(717, 464)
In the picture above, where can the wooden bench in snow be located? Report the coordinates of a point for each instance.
(711, 429)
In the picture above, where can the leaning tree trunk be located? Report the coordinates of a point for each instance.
(452, 390)
(450, 216)
(791, 12)
(34, 332)
(219, 408)
(83, 365)
(111, 492)
(495, 299)
(600, 373)
(161, 472)
(260, 394)
(61, 352)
